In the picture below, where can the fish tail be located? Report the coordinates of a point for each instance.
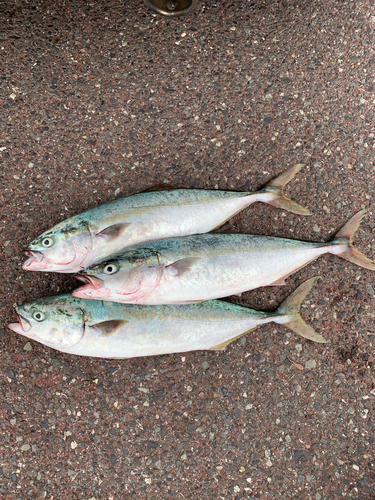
(289, 316)
(276, 186)
(344, 243)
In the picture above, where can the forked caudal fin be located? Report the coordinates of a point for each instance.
(290, 309)
(344, 246)
(276, 186)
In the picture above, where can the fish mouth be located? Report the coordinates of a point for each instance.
(22, 327)
(91, 287)
(34, 260)
(89, 280)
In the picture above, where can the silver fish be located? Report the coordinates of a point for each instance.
(86, 238)
(208, 266)
(111, 330)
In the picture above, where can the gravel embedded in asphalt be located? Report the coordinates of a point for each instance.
(104, 99)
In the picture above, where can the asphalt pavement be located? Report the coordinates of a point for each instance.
(103, 99)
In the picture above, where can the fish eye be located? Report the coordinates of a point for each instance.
(38, 315)
(47, 242)
(110, 269)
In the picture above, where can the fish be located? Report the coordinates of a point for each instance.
(93, 235)
(208, 266)
(112, 330)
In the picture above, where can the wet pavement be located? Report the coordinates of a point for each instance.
(103, 99)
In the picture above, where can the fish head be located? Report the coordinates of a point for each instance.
(56, 321)
(119, 277)
(62, 249)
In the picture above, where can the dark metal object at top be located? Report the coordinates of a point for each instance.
(172, 8)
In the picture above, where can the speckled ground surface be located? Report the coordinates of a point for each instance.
(102, 99)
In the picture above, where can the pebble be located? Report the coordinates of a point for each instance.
(28, 346)
(311, 363)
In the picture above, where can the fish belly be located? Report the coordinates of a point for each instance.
(150, 338)
(154, 223)
(227, 274)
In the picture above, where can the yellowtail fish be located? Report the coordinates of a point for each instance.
(86, 238)
(111, 330)
(208, 266)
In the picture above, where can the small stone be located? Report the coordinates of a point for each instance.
(269, 463)
(316, 228)
(25, 447)
(298, 389)
(204, 365)
(351, 411)
(73, 445)
(355, 467)
(28, 346)
(318, 496)
(298, 347)
(288, 438)
(237, 489)
(369, 289)
(311, 363)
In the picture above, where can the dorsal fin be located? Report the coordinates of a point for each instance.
(159, 187)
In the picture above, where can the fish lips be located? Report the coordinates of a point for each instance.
(91, 286)
(34, 261)
(23, 326)
(89, 280)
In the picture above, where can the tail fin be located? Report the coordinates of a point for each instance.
(344, 239)
(276, 187)
(291, 306)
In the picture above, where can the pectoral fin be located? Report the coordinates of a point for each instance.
(112, 232)
(180, 267)
(107, 328)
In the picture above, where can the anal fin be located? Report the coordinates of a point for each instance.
(223, 345)
(279, 282)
